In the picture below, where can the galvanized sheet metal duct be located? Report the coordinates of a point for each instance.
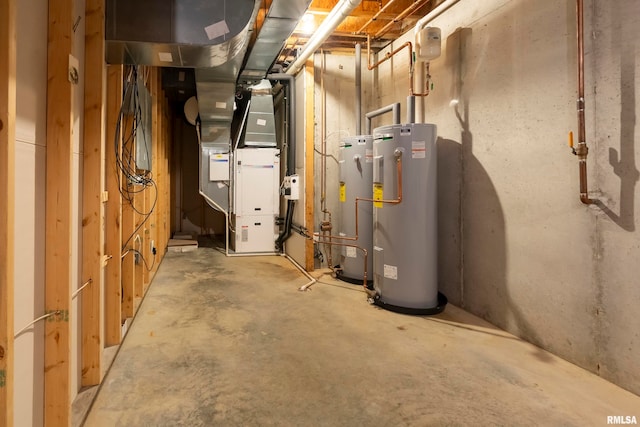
(281, 19)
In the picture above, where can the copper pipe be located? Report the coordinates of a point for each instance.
(401, 16)
(374, 17)
(396, 201)
(364, 251)
(426, 92)
(582, 150)
(371, 66)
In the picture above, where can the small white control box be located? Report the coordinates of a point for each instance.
(291, 187)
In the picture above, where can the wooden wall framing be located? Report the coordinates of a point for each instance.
(113, 210)
(7, 191)
(92, 184)
(309, 135)
(58, 218)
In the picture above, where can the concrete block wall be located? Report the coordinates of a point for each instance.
(516, 246)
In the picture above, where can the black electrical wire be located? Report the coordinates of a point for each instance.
(135, 251)
(134, 182)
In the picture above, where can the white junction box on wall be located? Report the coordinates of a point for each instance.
(291, 187)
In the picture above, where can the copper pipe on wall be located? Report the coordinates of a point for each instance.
(582, 150)
(395, 201)
(426, 85)
(371, 66)
(364, 252)
(388, 55)
(374, 17)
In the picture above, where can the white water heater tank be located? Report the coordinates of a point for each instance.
(428, 44)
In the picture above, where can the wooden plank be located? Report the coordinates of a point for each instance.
(309, 134)
(58, 218)
(7, 193)
(113, 214)
(128, 227)
(138, 242)
(128, 280)
(92, 207)
(155, 86)
(145, 231)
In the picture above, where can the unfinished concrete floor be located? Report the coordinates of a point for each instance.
(230, 341)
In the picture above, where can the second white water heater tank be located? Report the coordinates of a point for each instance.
(405, 236)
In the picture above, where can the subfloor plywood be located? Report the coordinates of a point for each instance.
(231, 341)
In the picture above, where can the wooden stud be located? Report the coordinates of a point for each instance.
(309, 129)
(58, 218)
(92, 209)
(128, 304)
(7, 193)
(113, 214)
(155, 164)
(138, 242)
(128, 242)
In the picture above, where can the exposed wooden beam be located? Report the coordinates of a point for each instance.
(113, 214)
(309, 135)
(57, 369)
(7, 191)
(92, 184)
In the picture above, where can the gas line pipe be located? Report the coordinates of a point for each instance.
(582, 151)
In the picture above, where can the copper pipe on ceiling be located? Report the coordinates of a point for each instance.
(582, 150)
(374, 17)
(409, 10)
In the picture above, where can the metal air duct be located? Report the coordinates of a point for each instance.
(281, 19)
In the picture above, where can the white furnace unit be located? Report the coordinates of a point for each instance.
(255, 199)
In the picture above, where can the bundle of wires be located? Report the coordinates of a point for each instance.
(133, 181)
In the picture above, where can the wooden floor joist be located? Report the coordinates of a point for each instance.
(309, 134)
(92, 205)
(58, 218)
(113, 209)
(7, 191)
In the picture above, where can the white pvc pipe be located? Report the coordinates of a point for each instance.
(437, 11)
(328, 26)
(312, 280)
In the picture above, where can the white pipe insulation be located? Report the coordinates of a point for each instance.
(437, 11)
(330, 23)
